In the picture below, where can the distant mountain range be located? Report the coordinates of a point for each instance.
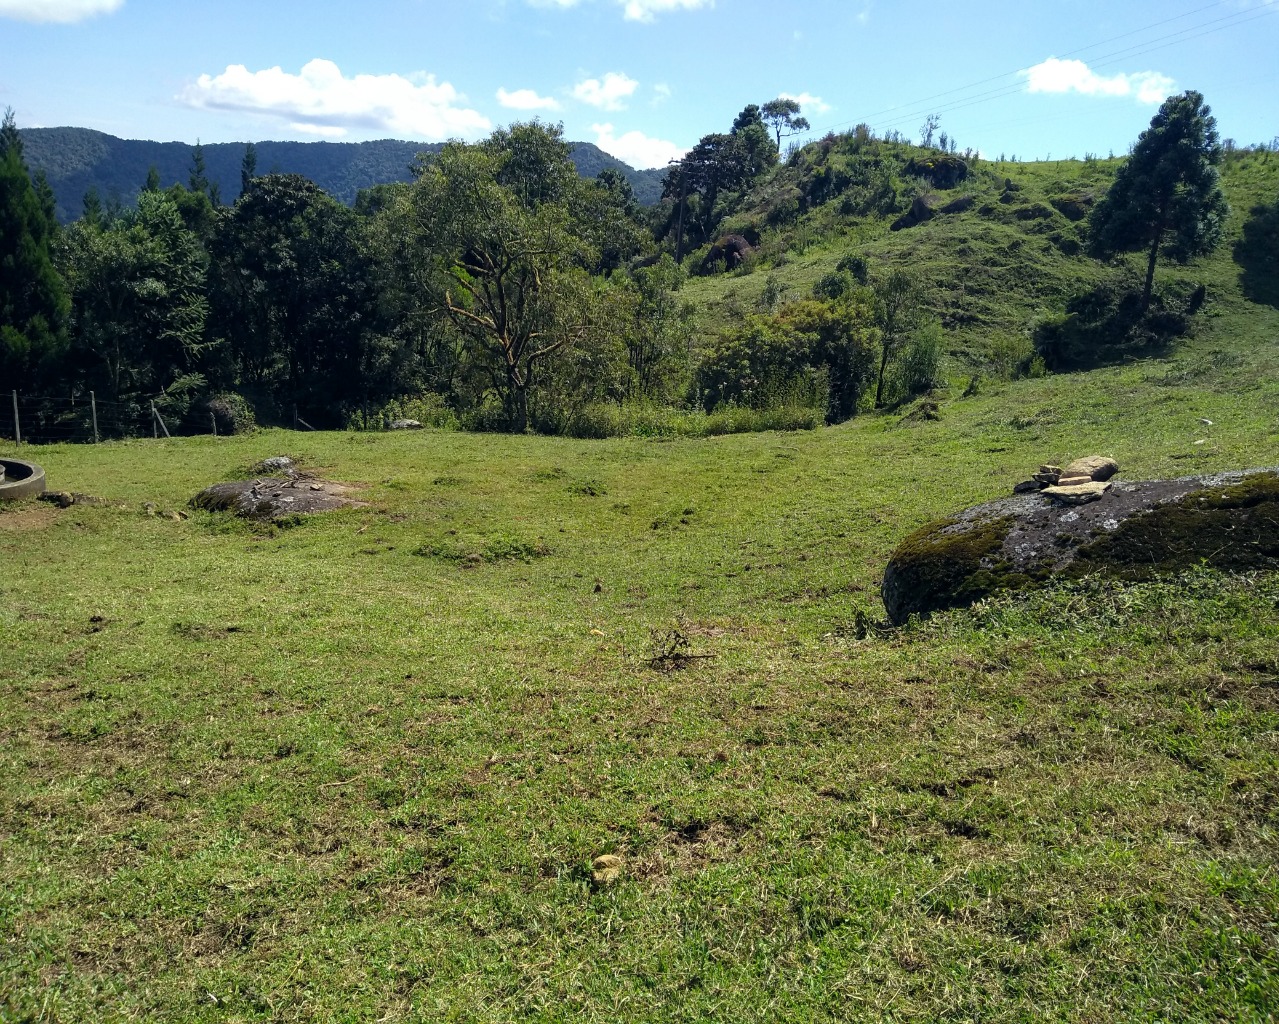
(78, 159)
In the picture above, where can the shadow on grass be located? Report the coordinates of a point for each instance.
(1257, 254)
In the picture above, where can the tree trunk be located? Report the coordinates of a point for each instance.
(1150, 274)
(1154, 255)
(883, 370)
(517, 402)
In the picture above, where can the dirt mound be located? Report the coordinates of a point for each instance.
(1133, 531)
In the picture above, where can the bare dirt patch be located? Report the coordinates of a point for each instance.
(22, 520)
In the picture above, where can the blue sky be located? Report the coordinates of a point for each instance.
(642, 78)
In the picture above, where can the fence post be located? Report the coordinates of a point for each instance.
(158, 419)
(93, 404)
(213, 422)
(17, 426)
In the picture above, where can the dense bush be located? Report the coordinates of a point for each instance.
(811, 353)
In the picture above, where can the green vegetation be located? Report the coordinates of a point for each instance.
(359, 768)
(506, 292)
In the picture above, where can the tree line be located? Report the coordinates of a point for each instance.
(499, 285)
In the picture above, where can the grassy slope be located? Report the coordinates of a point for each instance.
(333, 773)
(986, 273)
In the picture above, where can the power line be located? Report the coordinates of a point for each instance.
(1230, 20)
(1111, 59)
(1070, 53)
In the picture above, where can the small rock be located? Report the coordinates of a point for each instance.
(1048, 475)
(1078, 494)
(405, 425)
(1095, 467)
(62, 499)
(317, 487)
(606, 869)
(1205, 421)
(1027, 487)
(275, 464)
(1074, 479)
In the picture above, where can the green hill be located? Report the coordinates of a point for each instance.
(1010, 253)
(78, 159)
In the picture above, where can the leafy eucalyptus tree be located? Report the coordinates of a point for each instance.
(505, 227)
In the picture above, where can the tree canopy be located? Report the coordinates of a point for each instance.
(1167, 197)
(33, 298)
(782, 115)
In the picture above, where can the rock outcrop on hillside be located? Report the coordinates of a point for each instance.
(1129, 530)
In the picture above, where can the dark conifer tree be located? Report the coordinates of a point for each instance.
(33, 298)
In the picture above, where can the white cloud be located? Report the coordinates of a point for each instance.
(809, 103)
(634, 10)
(661, 93)
(64, 11)
(647, 10)
(322, 98)
(607, 94)
(1058, 76)
(325, 131)
(636, 148)
(525, 99)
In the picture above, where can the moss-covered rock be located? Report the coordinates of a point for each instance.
(1074, 205)
(941, 170)
(1134, 531)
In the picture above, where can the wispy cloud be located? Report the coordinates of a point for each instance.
(64, 11)
(809, 103)
(525, 99)
(634, 10)
(636, 148)
(608, 93)
(648, 10)
(321, 100)
(1059, 76)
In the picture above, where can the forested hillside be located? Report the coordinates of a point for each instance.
(499, 289)
(76, 160)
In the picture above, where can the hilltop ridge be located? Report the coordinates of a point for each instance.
(76, 160)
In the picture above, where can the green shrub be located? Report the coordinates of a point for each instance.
(429, 409)
(232, 413)
(919, 367)
(1008, 355)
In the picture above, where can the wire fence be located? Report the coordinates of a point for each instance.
(84, 418)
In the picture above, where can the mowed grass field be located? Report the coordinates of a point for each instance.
(357, 769)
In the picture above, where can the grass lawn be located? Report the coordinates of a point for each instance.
(357, 769)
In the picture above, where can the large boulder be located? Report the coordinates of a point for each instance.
(922, 209)
(731, 251)
(275, 497)
(940, 170)
(1127, 530)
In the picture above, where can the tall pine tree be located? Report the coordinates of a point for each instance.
(1167, 197)
(33, 297)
